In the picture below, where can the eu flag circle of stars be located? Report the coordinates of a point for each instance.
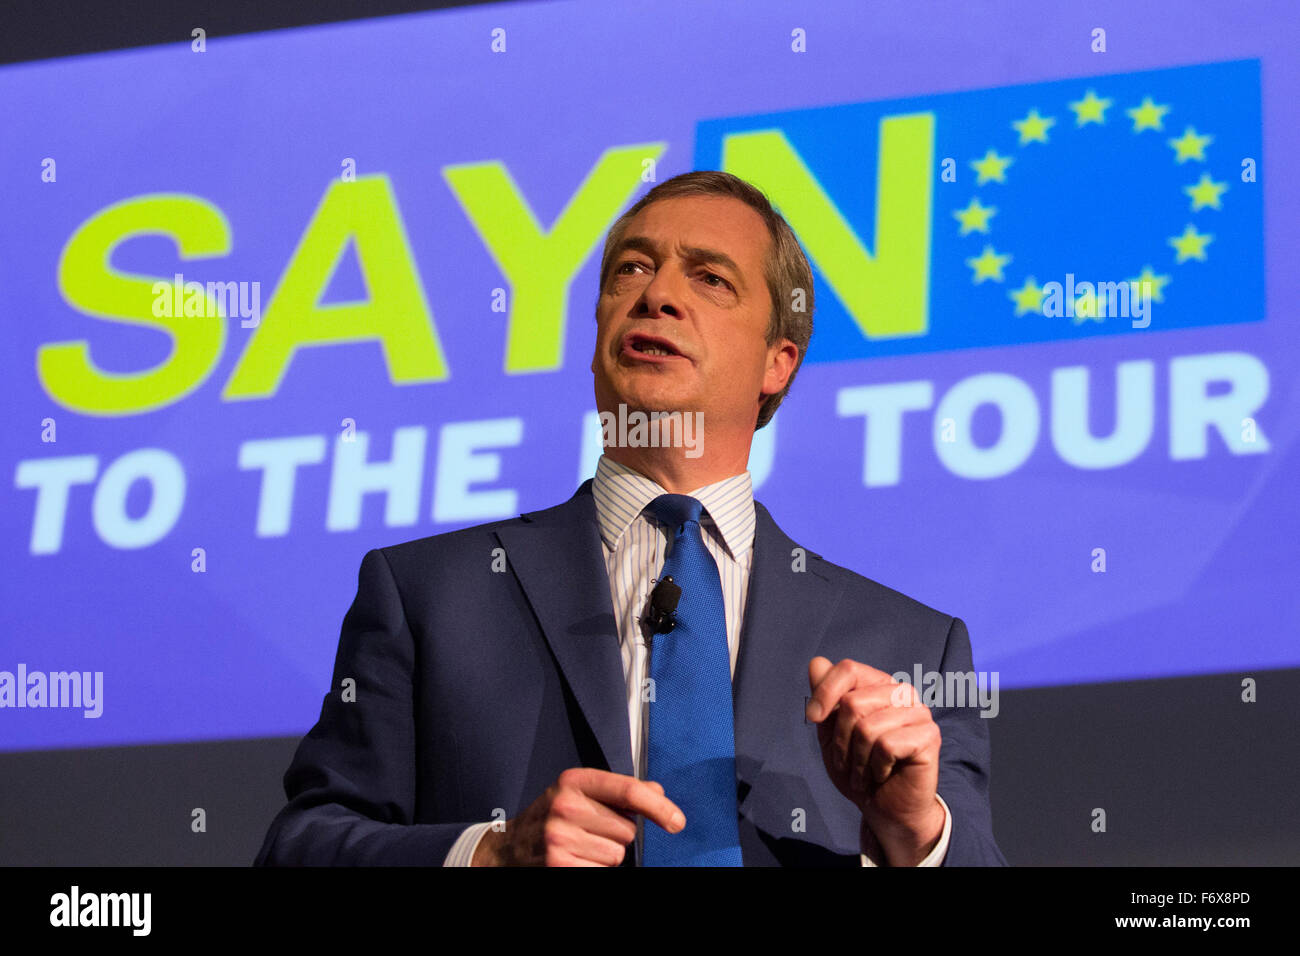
(1148, 117)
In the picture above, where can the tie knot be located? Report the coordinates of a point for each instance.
(676, 510)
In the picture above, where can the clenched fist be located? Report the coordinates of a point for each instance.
(880, 745)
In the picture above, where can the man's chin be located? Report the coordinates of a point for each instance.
(656, 404)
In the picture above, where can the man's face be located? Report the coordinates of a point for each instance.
(688, 277)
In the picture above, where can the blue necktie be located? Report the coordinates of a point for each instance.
(692, 744)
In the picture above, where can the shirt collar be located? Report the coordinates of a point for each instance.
(622, 493)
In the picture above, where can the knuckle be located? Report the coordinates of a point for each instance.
(564, 804)
(573, 777)
(861, 701)
(866, 721)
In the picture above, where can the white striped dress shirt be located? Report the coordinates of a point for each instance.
(636, 546)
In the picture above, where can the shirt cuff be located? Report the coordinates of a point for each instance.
(935, 857)
(462, 851)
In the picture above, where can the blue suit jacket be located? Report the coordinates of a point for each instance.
(475, 689)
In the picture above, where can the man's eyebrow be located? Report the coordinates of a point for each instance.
(694, 253)
(714, 256)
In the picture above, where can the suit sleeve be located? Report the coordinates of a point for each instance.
(964, 759)
(351, 785)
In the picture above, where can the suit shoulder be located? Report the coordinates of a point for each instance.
(476, 542)
(864, 588)
(860, 589)
(447, 542)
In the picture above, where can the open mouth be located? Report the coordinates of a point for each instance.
(646, 349)
(649, 346)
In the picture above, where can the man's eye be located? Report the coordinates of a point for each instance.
(714, 275)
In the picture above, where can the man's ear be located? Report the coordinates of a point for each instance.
(781, 361)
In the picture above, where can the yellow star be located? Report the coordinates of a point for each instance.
(991, 168)
(1206, 193)
(1150, 284)
(1085, 307)
(1191, 244)
(975, 217)
(1148, 116)
(1090, 109)
(1028, 298)
(988, 265)
(1033, 128)
(1190, 146)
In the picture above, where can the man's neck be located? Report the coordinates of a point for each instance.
(674, 472)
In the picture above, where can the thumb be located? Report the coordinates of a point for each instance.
(817, 668)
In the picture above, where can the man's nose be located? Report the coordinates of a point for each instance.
(664, 292)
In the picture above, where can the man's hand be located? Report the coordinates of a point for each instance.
(881, 748)
(580, 820)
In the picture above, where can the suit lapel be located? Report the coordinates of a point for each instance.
(785, 616)
(557, 557)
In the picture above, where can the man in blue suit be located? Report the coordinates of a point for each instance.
(501, 697)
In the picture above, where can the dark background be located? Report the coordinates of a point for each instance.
(1187, 773)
